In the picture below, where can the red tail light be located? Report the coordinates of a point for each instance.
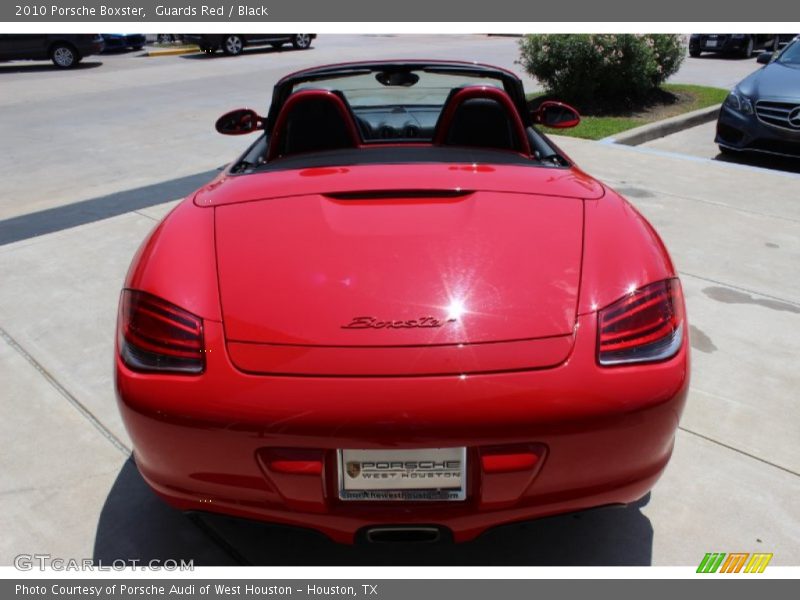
(155, 335)
(646, 325)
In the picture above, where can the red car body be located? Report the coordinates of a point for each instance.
(521, 312)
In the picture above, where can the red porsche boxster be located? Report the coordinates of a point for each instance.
(402, 313)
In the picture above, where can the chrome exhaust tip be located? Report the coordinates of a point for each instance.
(400, 534)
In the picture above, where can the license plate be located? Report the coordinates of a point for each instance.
(711, 43)
(403, 475)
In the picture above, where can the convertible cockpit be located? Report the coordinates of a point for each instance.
(365, 106)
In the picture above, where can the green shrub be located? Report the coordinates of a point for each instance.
(601, 72)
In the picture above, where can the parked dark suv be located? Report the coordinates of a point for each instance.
(741, 44)
(233, 44)
(65, 50)
(123, 41)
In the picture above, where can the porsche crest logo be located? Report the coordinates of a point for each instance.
(353, 469)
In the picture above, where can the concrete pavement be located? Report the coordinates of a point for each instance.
(733, 481)
(120, 121)
(699, 142)
(124, 121)
(694, 141)
(715, 70)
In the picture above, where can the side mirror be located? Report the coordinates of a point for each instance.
(239, 122)
(764, 58)
(556, 114)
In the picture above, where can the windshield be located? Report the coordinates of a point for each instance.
(392, 111)
(790, 55)
(398, 104)
(399, 88)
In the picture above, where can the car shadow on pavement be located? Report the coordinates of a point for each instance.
(728, 56)
(135, 525)
(50, 220)
(38, 67)
(246, 52)
(121, 51)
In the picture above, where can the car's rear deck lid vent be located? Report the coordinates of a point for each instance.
(387, 194)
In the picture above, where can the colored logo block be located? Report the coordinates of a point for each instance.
(735, 562)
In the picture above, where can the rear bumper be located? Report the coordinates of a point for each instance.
(88, 47)
(741, 132)
(725, 44)
(608, 433)
(136, 40)
(204, 40)
(124, 41)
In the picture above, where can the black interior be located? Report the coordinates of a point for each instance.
(397, 123)
(482, 122)
(314, 125)
(389, 155)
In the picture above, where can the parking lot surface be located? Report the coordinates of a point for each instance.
(699, 142)
(94, 158)
(716, 70)
(695, 141)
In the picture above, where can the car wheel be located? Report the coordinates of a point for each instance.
(64, 56)
(301, 41)
(694, 52)
(747, 52)
(233, 45)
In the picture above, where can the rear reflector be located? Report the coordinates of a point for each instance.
(506, 463)
(156, 335)
(644, 326)
(511, 458)
(297, 467)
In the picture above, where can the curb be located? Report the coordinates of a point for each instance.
(173, 51)
(652, 131)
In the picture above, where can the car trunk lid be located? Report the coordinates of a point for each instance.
(346, 283)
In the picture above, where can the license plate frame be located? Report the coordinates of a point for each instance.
(402, 475)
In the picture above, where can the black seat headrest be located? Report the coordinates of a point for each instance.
(313, 121)
(481, 116)
(481, 122)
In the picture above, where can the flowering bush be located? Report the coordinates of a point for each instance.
(601, 71)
